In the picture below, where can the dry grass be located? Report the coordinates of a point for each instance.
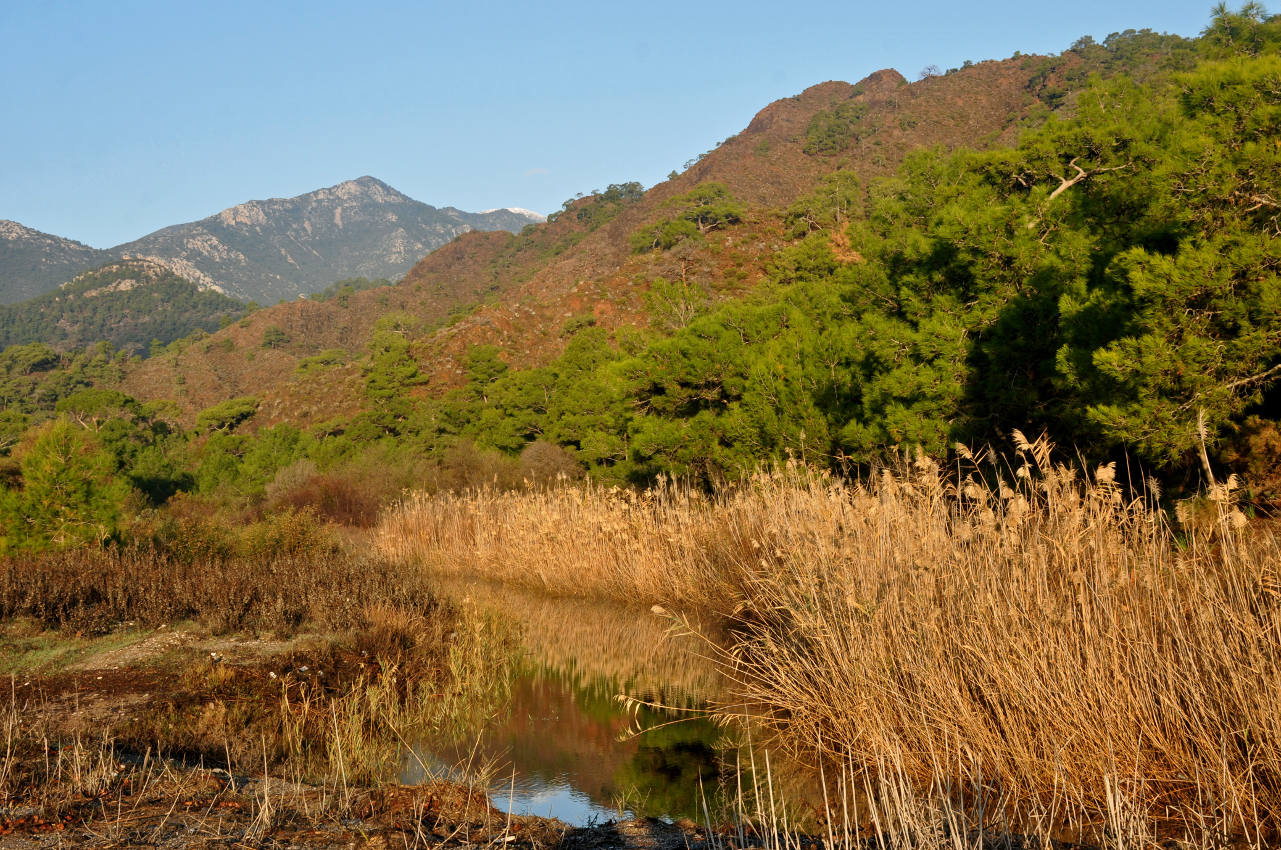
(329, 716)
(667, 543)
(387, 660)
(88, 791)
(281, 575)
(1051, 650)
(1034, 651)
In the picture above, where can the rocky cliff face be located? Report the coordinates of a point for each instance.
(32, 262)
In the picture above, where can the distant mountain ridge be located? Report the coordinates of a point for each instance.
(33, 262)
(265, 250)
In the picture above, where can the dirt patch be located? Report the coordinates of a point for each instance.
(184, 645)
(133, 654)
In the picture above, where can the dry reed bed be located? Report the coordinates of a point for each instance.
(293, 572)
(1039, 642)
(668, 543)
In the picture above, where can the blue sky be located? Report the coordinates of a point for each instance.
(122, 117)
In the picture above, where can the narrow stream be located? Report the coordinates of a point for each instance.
(566, 746)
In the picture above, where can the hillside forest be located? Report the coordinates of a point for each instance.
(1110, 278)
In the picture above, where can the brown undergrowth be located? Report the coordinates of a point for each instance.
(302, 746)
(1020, 647)
(325, 662)
(278, 575)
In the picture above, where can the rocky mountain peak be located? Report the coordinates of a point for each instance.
(367, 189)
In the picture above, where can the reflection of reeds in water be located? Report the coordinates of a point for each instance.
(566, 729)
(564, 721)
(635, 650)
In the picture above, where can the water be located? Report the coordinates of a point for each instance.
(566, 745)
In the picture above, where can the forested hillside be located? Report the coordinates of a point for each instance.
(521, 292)
(135, 305)
(1082, 244)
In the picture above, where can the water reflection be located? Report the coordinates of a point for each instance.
(562, 746)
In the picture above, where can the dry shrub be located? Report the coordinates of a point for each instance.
(467, 467)
(1255, 451)
(290, 477)
(543, 463)
(411, 640)
(331, 498)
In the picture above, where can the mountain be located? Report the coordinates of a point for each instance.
(267, 250)
(32, 262)
(525, 293)
(583, 267)
(128, 303)
(285, 247)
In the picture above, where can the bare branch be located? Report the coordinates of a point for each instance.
(1261, 201)
(1253, 379)
(1066, 183)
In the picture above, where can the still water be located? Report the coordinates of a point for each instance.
(568, 744)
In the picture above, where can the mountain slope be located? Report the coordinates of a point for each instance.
(528, 293)
(32, 262)
(285, 247)
(521, 292)
(766, 166)
(128, 303)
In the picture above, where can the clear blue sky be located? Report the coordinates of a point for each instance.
(122, 117)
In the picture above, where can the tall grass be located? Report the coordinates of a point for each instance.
(1001, 646)
(666, 543)
(1041, 644)
(281, 575)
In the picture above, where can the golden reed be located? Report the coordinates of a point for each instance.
(1022, 639)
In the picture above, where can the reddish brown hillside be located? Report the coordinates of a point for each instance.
(520, 292)
(240, 359)
(766, 166)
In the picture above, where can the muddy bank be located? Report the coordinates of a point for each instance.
(166, 806)
(143, 738)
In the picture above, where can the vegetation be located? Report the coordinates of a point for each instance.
(1110, 279)
(342, 290)
(835, 130)
(261, 577)
(1006, 640)
(706, 207)
(936, 637)
(128, 304)
(599, 207)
